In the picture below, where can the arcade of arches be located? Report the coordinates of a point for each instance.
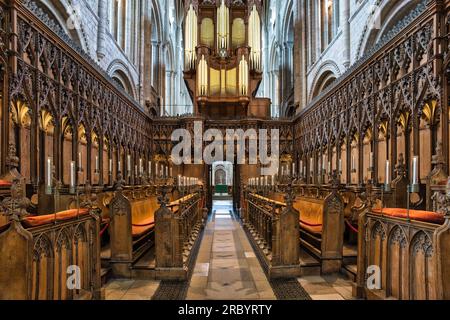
(350, 97)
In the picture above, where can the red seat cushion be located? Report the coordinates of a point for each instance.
(143, 227)
(312, 228)
(4, 183)
(36, 221)
(418, 215)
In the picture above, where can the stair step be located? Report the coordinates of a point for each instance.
(105, 274)
(350, 271)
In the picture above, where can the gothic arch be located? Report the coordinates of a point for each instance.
(60, 12)
(119, 72)
(327, 74)
(384, 16)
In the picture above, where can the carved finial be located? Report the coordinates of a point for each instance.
(335, 181)
(289, 196)
(163, 200)
(12, 161)
(369, 195)
(120, 182)
(16, 205)
(447, 200)
(89, 197)
(400, 169)
(438, 158)
(55, 182)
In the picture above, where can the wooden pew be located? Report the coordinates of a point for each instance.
(177, 234)
(322, 224)
(409, 250)
(273, 229)
(39, 251)
(131, 229)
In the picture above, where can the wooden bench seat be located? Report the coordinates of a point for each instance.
(311, 215)
(416, 215)
(142, 228)
(41, 220)
(132, 227)
(5, 183)
(41, 249)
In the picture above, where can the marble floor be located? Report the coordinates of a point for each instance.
(227, 269)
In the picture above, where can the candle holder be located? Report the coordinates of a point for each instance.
(110, 178)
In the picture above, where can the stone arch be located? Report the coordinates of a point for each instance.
(383, 18)
(325, 77)
(60, 12)
(119, 72)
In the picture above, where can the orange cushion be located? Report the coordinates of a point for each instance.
(36, 221)
(4, 183)
(138, 230)
(424, 216)
(315, 229)
(311, 215)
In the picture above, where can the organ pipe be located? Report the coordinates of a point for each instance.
(223, 27)
(243, 77)
(203, 77)
(254, 36)
(191, 38)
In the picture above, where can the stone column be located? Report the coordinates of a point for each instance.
(317, 21)
(103, 23)
(155, 64)
(345, 24)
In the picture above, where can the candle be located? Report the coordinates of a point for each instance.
(340, 165)
(49, 172)
(388, 172)
(135, 170)
(311, 164)
(329, 166)
(72, 174)
(171, 172)
(167, 171)
(353, 163)
(282, 170)
(96, 164)
(266, 181)
(149, 168)
(141, 168)
(371, 160)
(120, 169)
(293, 168)
(301, 167)
(110, 165)
(415, 167)
(129, 163)
(80, 161)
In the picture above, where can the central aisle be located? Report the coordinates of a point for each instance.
(226, 266)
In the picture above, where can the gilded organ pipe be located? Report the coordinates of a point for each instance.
(254, 39)
(191, 38)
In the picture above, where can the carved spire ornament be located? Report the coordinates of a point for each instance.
(16, 205)
(400, 168)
